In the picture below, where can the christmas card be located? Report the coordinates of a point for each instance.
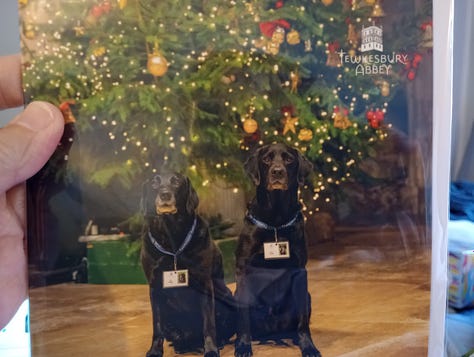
(235, 176)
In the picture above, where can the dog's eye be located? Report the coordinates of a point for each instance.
(156, 181)
(267, 159)
(175, 181)
(288, 159)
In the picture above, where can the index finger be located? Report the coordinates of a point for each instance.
(11, 93)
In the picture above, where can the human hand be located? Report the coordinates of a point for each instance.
(26, 143)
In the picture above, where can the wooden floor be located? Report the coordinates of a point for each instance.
(370, 297)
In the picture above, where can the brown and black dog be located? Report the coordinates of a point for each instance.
(271, 255)
(192, 307)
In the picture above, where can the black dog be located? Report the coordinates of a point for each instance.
(272, 287)
(191, 305)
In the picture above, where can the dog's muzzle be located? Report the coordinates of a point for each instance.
(165, 203)
(277, 178)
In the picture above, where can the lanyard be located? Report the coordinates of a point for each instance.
(180, 250)
(263, 225)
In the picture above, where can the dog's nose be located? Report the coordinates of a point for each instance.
(165, 195)
(277, 171)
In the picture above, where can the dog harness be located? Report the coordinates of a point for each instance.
(186, 241)
(263, 225)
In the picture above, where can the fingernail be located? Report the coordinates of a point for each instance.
(36, 116)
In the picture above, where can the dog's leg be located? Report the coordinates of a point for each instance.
(243, 342)
(303, 305)
(209, 322)
(156, 349)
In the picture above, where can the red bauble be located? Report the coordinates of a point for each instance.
(416, 60)
(97, 11)
(370, 115)
(411, 75)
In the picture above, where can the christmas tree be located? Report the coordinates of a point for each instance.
(195, 85)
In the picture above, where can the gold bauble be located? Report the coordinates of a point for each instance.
(157, 64)
(122, 4)
(278, 35)
(327, 2)
(385, 88)
(305, 134)
(250, 125)
(293, 37)
(99, 51)
(29, 31)
(272, 48)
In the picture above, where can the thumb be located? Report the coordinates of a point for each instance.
(27, 142)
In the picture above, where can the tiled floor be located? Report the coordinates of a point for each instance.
(370, 294)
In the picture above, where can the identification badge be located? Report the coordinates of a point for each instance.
(175, 278)
(276, 250)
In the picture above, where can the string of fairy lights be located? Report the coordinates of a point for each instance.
(94, 77)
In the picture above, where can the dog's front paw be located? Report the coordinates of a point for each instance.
(243, 349)
(156, 349)
(212, 354)
(310, 351)
(154, 353)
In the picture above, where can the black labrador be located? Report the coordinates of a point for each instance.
(191, 305)
(271, 255)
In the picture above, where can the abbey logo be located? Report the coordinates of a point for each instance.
(370, 63)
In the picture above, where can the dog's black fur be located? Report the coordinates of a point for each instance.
(272, 295)
(200, 317)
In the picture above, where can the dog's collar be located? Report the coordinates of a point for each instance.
(186, 241)
(268, 227)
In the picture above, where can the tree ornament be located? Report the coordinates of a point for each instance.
(295, 81)
(289, 121)
(157, 64)
(427, 38)
(293, 37)
(96, 11)
(278, 35)
(268, 28)
(228, 79)
(375, 118)
(412, 66)
(79, 30)
(122, 4)
(352, 36)
(341, 120)
(377, 11)
(333, 58)
(305, 134)
(272, 48)
(99, 51)
(327, 2)
(307, 46)
(250, 125)
(384, 88)
(29, 31)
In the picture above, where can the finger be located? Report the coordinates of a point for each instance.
(11, 94)
(27, 142)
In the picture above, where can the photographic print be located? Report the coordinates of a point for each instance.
(235, 177)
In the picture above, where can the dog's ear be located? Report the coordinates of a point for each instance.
(305, 167)
(251, 166)
(192, 201)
